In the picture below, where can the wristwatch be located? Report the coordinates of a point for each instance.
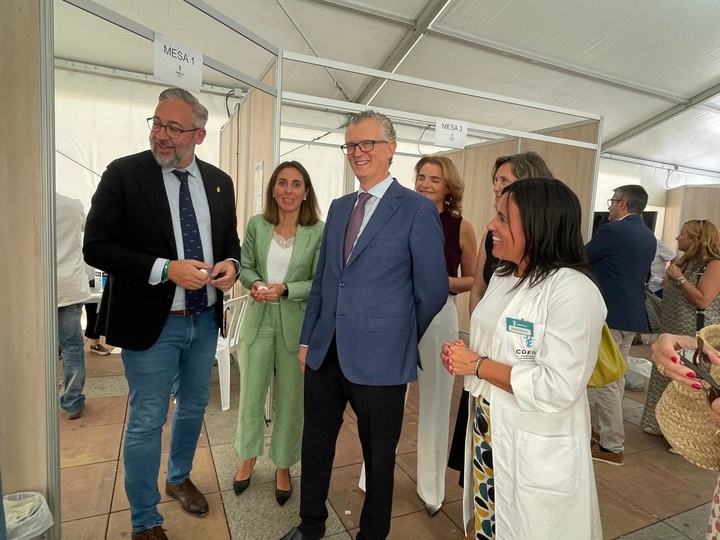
(680, 281)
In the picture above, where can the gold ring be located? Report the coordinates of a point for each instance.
(717, 432)
(661, 369)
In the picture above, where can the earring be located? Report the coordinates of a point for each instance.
(304, 198)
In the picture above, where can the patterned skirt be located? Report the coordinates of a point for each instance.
(713, 529)
(483, 475)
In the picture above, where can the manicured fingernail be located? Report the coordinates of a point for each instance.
(675, 359)
(697, 386)
(691, 374)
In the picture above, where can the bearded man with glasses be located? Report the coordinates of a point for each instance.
(163, 226)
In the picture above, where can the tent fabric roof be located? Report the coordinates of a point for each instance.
(650, 67)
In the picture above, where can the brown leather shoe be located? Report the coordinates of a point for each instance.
(156, 533)
(192, 501)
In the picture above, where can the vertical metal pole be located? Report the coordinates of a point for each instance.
(47, 145)
(591, 211)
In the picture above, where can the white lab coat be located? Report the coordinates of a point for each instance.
(544, 479)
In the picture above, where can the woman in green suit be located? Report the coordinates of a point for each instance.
(279, 257)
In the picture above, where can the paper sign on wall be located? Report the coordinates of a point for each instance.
(258, 187)
(451, 133)
(177, 64)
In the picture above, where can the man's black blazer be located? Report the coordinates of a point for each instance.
(128, 227)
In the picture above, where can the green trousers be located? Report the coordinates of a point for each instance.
(257, 362)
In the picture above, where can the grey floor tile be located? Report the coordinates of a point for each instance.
(692, 523)
(629, 404)
(659, 531)
(633, 415)
(255, 515)
(106, 386)
(221, 426)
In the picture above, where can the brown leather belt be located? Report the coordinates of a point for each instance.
(187, 312)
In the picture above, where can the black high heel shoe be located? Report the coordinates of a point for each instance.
(241, 485)
(282, 496)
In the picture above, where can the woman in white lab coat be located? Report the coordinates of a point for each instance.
(534, 340)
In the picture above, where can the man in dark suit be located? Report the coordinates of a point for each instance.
(163, 225)
(379, 283)
(620, 253)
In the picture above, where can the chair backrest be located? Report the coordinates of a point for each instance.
(236, 307)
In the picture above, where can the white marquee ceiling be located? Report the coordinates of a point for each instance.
(650, 67)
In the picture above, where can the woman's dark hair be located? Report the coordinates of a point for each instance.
(551, 217)
(309, 208)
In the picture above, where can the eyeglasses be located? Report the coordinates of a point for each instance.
(364, 146)
(701, 365)
(610, 201)
(172, 131)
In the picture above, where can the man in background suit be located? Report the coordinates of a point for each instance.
(620, 253)
(163, 225)
(380, 281)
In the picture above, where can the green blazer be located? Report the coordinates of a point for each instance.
(253, 267)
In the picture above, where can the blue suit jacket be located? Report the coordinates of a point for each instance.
(620, 254)
(380, 303)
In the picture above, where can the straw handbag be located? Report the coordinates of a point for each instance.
(683, 415)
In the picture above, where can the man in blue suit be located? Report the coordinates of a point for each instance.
(620, 254)
(380, 281)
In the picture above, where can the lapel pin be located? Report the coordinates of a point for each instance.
(218, 189)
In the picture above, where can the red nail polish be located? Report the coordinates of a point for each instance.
(697, 386)
(675, 359)
(691, 374)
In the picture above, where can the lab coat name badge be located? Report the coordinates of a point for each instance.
(526, 330)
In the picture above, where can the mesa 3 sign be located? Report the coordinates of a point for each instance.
(451, 133)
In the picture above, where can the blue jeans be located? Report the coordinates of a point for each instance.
(73, 355)
(186, 349)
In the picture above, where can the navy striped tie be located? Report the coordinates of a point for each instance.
(195, 301)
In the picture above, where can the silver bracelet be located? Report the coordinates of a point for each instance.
(478, 363)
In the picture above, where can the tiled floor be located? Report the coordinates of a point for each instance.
(656, 495)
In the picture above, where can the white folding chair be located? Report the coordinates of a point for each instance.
(233, 311)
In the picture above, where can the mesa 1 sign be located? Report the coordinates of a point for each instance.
(452, 133)
(177, 64)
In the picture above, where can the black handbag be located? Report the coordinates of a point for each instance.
(700, 313)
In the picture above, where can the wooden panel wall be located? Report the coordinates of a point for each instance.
(23, 422)
(686, 203)
(478, 200)
(701, 203)
(673, 217)
(574, 166)
(261, 136)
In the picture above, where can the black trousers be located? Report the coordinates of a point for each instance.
(91, 315)
(379, 411)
